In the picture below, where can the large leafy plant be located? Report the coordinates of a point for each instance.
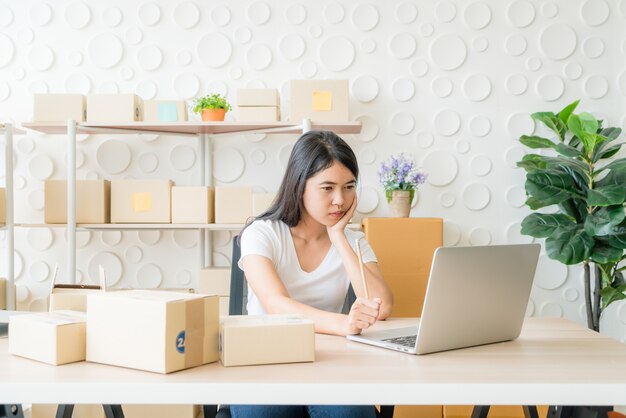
(588, 186)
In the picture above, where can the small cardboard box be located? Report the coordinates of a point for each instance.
(130, 411)
(93, 201)
(141, 201)
(215, 281)
(261, 202)
(73, 297)
(114, 108)
(258, 97)
(275, 338)
(50, 337)
(233, 205)
(3, 293)
(224, 305)
(258, 114)
(3, 205)
(59, 107)
(193, 205)
(164, 111)
(178, 330)
(319, 100)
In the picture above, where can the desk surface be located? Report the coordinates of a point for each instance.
(553, 362)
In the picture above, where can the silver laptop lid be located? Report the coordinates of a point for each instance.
(479, 296)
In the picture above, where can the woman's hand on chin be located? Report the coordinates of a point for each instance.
(341, 224)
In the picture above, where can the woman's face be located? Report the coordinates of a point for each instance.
(329, 194)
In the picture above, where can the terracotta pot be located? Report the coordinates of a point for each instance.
(400, 204)
(213, 115)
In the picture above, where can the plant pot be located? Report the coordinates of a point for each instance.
(400, 204)
(213, 115)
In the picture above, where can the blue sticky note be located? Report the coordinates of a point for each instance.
(167, 112)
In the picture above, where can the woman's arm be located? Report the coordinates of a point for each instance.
(267, 286)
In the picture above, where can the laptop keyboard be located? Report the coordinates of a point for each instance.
(406, 340)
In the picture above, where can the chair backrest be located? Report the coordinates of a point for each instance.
(404, 248)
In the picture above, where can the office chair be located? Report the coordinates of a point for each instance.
(236, 306)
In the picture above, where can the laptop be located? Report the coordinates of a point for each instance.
(475, 295)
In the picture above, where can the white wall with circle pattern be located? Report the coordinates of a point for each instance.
(451, 82)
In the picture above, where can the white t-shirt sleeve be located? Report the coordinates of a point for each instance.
(366, 250)
(257, 239)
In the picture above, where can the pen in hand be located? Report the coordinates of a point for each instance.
(360, 257)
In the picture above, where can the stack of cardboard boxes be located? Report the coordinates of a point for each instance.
(258, 105)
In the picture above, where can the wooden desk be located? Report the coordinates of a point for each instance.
(554, 362)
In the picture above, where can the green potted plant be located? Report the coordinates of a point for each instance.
(588, 187)
(212, 107)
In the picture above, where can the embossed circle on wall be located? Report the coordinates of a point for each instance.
(259, 13)
(229, 164)
(550, 10)
(149, 237)
(295, 14)
(365, 88)
(550, 87)
(480, 236)
(146, 89)
(477, 15)
(513, 235)
(477, 87)
(308, 69)
(133, 254)
(183, 277)
(596, 86)
(186, 15)
(480, 165)
(149, 276)
(451, 234)
(133, 36)
(148, 162)
(111, 264)
(445, 11)
(441, 166)
(516, 196)
(6, 50)
(334, 13)
(369, 128)
(5, 91)
(221, 15)
(448, 52)
(480, 44)
(402, 45)
(406, 13)
(515, 45)
(447, 199)
(442, 87)
(424, 139)
(516, 84)
(41, 167)
(105, 50)
(113, 156)
(521, 13)
(111, 238)
(25, 36)
(292, 46)
(214, 50)
(41, 57)
(402, 123)
(419, 68)
(476, 196)
(259, 57)
(149, 14)
(570, 294)
(40, 14)
(39, 239)
(447, 122)
(365, 17)
(77, 15)
(6, 16)
(519, 124)
(558, 41)
(337, 53)
(258, 156)
(182, 157)
(403, 89)
(112, 17)
(368, 45)
(593, 47)
(149, 57)
(550, 274)
(594, 12)
(185, 239)
(367, 156)
(186, 85)
(513, 155)
(368, 200)
(551, 310)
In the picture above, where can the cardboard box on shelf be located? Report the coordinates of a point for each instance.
(275, 338)
(114, 108)
(130, 411)
(258, 114)
(319, 100)
(58, 107)
(258, 97)
(214, 281)
(261, 202)
(73, 297)
(3, 293)
(193, 205)
(50, 337)
(164, 111)
(3, 205)
(178, 330)
(93, 201)
(141, 201)
(233, 205)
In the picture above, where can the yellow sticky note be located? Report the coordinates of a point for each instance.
(322, 101)
(142, 202)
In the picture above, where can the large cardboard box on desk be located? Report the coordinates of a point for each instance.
(130, 411)
(3, 205)
(193, 205)
(152, 330)
(114, 108)
(93, 201)
(266, 339)
(164, 111)
(258, 97)
(319, 100)
(59, 107)
(50, 337)
(233, 205)
(141, 201)
(73, 297)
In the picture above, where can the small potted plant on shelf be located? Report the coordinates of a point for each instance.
(400, 178)
(212, 107)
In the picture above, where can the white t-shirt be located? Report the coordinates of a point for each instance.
(324, 288)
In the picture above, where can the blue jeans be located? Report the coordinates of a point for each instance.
(313, 411)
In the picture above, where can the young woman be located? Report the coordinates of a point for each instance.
(298, 256)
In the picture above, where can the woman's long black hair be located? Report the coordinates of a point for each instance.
(313, 152)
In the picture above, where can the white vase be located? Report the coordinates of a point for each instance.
(400, 204)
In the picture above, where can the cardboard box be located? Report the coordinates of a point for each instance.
(114, 108)
(233, 205)
(275, 338)
(178, 330)
(130, 411)
(258, 114)
(164, 111)
(495, 411)
(3, 205)
(261, 202)
(3, 293)
(59, 107)
(215, 281)
(73, 297)
(141, 201)
(50, 337)
(93, 201)
(258, 97)
(193, 205)
(319, 100)
(224, 305)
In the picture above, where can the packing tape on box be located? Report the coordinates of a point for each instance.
(193, 340)
(322, 101)
(142, 201)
